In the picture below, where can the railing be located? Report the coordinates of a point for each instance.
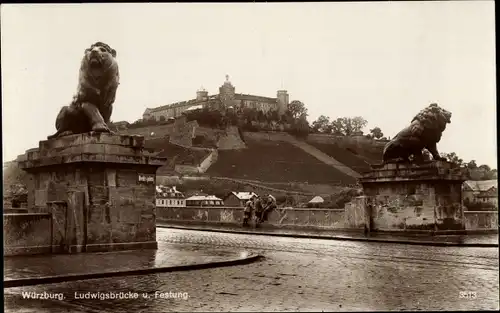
(279, 217)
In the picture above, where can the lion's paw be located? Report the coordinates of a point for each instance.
(100, 128)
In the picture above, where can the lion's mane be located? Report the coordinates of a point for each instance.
(424, 132)
(97, 85)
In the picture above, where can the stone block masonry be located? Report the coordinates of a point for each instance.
(99, 188)
(414, 197)
(26, 233)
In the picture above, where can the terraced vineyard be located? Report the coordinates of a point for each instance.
(355, 162)
(274, 161)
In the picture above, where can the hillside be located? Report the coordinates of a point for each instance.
(356, 152)
(343, 155)
(275, 161)
(176, 155)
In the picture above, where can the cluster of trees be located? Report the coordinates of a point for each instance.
(293, 121)
(481, 172)
(344, 126)
(139, 123)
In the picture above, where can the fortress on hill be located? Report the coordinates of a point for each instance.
(225, 99)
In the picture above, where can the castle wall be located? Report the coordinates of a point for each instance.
(227, 97)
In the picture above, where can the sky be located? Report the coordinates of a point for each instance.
(384, 61)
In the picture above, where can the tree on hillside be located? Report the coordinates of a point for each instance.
(485, 168)
(249, 114)
(297, 108)
(337, 127)
(322, 124)
(348, 125)
(376, 133)
(261, 117)
(494, 174)
(486, 173)
(472, 164)
(300, 127)
(453, 158)
(357, 123)
(482, 172)
(273, 116)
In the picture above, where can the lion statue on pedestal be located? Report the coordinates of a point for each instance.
(424, 132)
(92, 105)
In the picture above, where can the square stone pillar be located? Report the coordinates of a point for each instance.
(415, 197)
(107, 183)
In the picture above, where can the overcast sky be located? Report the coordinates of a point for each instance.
(384, 61)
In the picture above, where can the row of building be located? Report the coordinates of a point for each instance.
(226, 98)
(474, 192)
(171, 197)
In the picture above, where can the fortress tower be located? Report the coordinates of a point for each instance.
(201, 94)
(226, 93)
(282, 100)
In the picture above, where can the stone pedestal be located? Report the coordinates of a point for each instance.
(414, 197)
(99, 188)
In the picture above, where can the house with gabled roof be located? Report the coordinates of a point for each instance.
(239, 199)
(480, 192)
(203, 200)
(169, 197)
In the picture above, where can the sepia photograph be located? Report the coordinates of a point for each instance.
(249, 157)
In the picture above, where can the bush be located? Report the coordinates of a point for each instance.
(345, 196)
(208, 118)
(280, 199)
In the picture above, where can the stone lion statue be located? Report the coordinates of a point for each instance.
(424, 132)
(92, 105)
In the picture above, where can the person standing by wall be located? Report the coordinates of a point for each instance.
(258, 207)
(269, 206)
(247, 212)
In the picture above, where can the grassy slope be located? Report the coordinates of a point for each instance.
(276, 162)
(343, 155)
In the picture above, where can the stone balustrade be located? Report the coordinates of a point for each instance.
(233, 216)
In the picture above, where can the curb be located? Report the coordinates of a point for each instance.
(378, 240)
(145, 271)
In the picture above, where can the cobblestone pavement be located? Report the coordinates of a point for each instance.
(297, 275)
(167, 255)
(491, 239)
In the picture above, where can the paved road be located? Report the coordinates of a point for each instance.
(297, 275)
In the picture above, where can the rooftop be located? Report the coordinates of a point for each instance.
(244, 195)
(168, 192)
(200, 198)
(481, 185)
(317, 199)
(243, 96)
(196, 107)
